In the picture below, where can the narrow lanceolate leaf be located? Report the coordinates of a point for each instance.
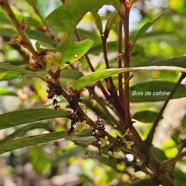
(99, 75)
(7, 75)
(15, 118)
(145, 27)
(23, 130)
(98, 21)
(155, 91)
(7, 66)
(74, 51)
(145, 116)
(176, 61)
(34, 140)
(111, 20)
(68, 15)
(28, 141)
(6, 92)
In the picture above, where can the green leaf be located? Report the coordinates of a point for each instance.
(70, 74)
(145, 27)
(34, 140)
(112, 47)
(3, 18)
(180, 177)
(111, 20)
(99, 75)
(183, 122)
(7, 66)
(23, 130)
(145, 116)
(32, 2)
(98, 21)
(7, 32)
(31, 140)
(15, 118)
(40, 37)
(6, 92)
(66, 154)
(7, 75)
(154, 91)
(75, 50)
(159, 154)
(176, 61)
(69, 15)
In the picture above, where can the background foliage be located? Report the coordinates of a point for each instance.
(39, 37)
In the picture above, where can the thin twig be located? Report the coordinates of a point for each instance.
(120, 56)
(172, 92)
(126, 65)
(112, 97)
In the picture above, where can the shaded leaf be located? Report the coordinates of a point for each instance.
(180, 177)
(15, 118)
(154, 91)
(23, 130)
(70, 74)
(176, 61)
(66, 154)
(99, 75)
(158, 153)
(40, 37)
(98, 21)
(111, 20)
(32, 140)
(32, 2)
(145, 27)
(183, 122)
(7, 66)
(112, 47)
(145, 116)
(7, 32)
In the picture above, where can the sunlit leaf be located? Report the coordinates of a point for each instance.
(7, 75)
(178, 6)
(6, 92)
(170, 148)
(64, 17)
(15, 118)
(74, 51)
(99, 75)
